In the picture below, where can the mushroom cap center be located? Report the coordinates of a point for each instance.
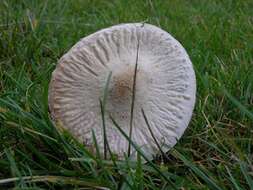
(122, 87)
(120, 92)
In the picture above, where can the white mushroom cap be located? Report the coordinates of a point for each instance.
(165, 87)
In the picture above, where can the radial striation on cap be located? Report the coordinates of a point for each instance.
(165, 88)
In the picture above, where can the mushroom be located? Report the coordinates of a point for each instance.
(164, 88)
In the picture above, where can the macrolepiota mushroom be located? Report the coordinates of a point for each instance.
(145, 62)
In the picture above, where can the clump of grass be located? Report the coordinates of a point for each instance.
(215, 152)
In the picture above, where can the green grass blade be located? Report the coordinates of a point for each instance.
(242, 108)
(142, 154)
(233, 180)
(246, 175)
(103, 107)
(57, 180)
(96, 145)
(152, 134)
(133, 94)
(139, 172)
(13, 166)
(211, 184)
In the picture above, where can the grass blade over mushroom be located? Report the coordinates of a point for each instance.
(103, 106)
(153, 136)
(142, 153)
(133, 94)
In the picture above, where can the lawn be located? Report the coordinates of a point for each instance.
(215, 152)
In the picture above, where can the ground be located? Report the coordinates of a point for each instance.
(216, 151)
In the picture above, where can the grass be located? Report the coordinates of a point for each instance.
(216, 151)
